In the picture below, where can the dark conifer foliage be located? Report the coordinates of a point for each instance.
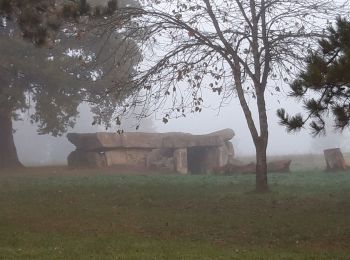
(324, 86)
(39, 20)
(48, 84)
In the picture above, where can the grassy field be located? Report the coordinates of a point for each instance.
(53, 213)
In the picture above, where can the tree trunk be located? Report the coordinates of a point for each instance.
(8, 152)
(261, 166)
(261, 142)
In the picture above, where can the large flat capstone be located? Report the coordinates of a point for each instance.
(108, 141)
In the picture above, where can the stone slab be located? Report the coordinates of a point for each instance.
(226, 134)
(186, 141)
(108, 141)
(104, 141)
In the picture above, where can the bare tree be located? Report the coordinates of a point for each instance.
(239, 48)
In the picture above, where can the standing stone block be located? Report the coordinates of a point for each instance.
(220, 156)
(230, 152)
(216, 157)
(279, 166)
(335, 160)
(180, 161)
(161, 159)
(116, 157)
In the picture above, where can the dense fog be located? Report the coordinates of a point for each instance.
(34, 149)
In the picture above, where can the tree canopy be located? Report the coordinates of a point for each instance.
(39, 20)
(50, 83)
(324, 85)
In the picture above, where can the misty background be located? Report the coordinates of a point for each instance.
(34, 149)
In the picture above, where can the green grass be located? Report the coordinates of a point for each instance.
(56, 214)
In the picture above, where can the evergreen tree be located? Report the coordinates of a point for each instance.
(39, 20)
(324, 86)
(50, 83)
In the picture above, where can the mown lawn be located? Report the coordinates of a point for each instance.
(56, 214)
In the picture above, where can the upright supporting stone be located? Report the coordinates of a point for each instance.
(335, 160)
(180, 161)
(215, 157)
(78, 158)
(219, 156)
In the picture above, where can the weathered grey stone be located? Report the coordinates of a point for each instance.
(116, 157)
(217, 138)
(219, 156)
(216, 157)
(161, 158)
(230, 152)
(179, 151)
(226, 134)
(128, 156)
(240, 167)
(192, 141)
(141, 140)
(78, 159)
(86, 142)
(107, 141)
(137, 156)
(279, 166)
(335, 160)
(180, 161)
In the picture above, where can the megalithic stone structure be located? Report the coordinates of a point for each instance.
(181, 152)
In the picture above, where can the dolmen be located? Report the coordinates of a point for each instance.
(180, 152)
